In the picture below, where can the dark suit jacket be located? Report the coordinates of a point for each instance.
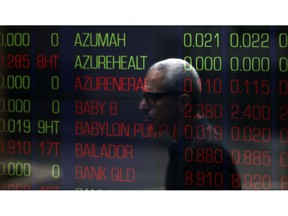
(201, 163)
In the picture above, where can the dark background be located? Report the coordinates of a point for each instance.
(150, 155)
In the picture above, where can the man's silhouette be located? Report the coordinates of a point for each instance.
(197, 159)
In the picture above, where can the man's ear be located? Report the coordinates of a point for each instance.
(183, 101)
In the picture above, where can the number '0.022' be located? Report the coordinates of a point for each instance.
(249, 40)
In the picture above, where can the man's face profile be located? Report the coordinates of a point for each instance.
(159, 108)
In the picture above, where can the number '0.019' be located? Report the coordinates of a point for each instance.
(15, 126)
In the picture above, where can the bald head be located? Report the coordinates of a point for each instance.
(177, 75)
(169, 86)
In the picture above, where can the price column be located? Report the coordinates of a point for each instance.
(202, 48)
(250, 110)
(281, 74)
(15, 109)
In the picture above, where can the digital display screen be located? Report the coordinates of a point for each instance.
(75, 100)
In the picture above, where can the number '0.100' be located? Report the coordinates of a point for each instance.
(202, 40)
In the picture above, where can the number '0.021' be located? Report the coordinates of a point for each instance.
(201, 40)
